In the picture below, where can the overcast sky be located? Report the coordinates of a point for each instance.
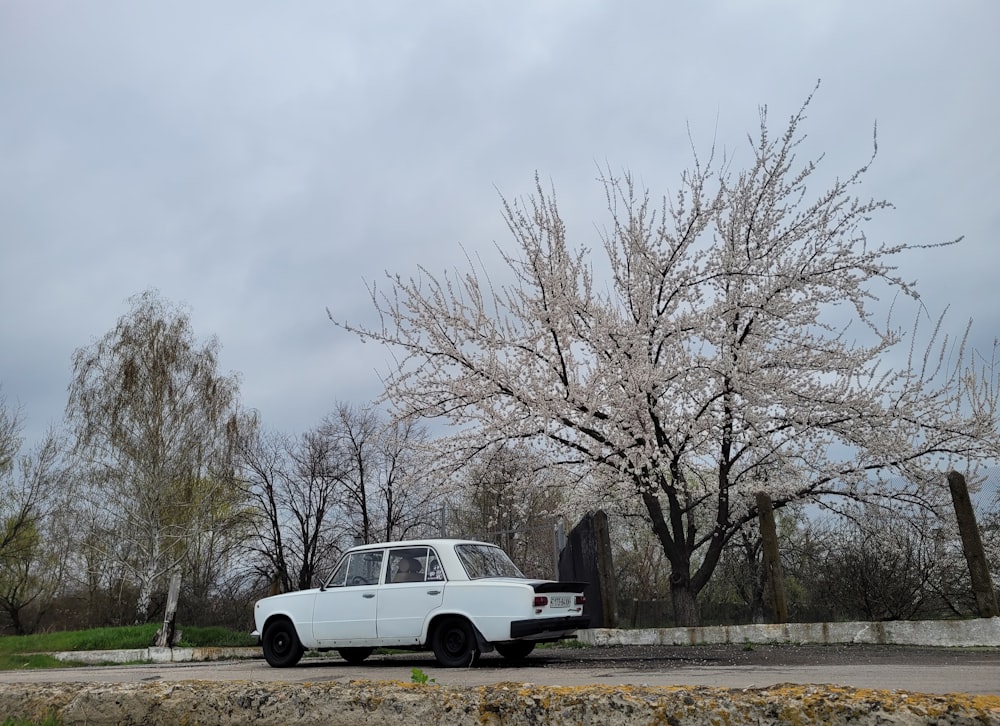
(259, 161)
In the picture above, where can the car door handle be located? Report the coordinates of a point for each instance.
(368, 595)
(433, 592)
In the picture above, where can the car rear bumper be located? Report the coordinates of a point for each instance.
(548, 626)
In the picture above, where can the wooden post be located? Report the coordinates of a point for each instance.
(772, 558)
(972, 545)
(165, 638)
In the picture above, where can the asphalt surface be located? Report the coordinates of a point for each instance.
(916, 669)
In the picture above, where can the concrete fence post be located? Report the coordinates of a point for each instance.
(772, 558)
(972, 545)
(587, 557)
(606, 568)
(165, 638)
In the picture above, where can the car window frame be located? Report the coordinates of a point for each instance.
(346, 562)
(471, 555)
(425, 552)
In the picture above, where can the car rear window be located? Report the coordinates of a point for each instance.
(480, 560)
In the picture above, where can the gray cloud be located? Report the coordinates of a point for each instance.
(259, 162)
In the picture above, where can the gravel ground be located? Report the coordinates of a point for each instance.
(662, 657)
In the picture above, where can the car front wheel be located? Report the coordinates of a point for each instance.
(455, 644)
(515, 650)
(282, 648)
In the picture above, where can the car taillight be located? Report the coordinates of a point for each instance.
(541, 601)
(581, 600)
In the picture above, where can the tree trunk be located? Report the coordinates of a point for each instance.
(14, 613)
(683, 599)
(143, 601)
(682, 592)
(146, 582)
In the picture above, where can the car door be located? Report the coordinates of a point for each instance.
(408, 597)
(345, 609)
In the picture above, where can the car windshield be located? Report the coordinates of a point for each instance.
(480, 560)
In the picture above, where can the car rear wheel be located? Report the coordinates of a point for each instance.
(354, 656)
(515, 650)
(282, 648)
(455, 644)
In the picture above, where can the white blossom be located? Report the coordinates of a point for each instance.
(735, 335)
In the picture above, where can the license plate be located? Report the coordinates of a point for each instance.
(559, 601)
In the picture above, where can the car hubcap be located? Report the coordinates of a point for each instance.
(455, 642)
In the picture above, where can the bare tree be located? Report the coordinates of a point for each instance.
(10, 436)
(153, 421)
(741, 572)
(410, 494)
(508, 497)
(388, 492)
(34, 490)
(878, 564)
(353, 477)
(293, 487)
(735, 333)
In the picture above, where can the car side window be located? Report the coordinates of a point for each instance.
(413, 564)
(358, 568)
(434, 569)
(406, 564)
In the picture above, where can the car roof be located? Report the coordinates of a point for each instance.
(429, 542)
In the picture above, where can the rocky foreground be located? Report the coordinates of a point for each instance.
(510, 704)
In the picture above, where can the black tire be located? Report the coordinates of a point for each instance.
(516, 649)
(282, 648)
(454, 644)
(355, 656)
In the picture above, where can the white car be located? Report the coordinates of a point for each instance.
(458, 598)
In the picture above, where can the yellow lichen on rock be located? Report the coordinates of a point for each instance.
(510, 704)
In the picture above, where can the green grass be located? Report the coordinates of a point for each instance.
(47, 721)
(27, 662)
(25, 651)
(132, 636)
(418, 676)
(215, 637)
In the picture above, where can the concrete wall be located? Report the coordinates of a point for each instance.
(984, 632)
(949, 633)
(155, 655)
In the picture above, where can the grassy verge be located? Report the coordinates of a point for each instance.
(26, 651)
(48, 721)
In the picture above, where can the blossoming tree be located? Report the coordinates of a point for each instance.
(732, 347)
